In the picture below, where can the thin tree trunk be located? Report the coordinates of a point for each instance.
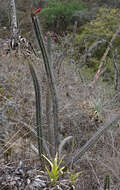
(14, 27)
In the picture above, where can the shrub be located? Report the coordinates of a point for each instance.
(57, 15)
(83, 16)
(101, 28)
(108, 3)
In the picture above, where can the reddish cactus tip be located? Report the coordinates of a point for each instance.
(38, 10)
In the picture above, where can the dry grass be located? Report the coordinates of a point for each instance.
(81, 112)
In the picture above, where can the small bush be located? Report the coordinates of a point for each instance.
(101, 28)
(57, 15)
(108, 3)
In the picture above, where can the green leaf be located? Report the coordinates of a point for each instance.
(51, 164)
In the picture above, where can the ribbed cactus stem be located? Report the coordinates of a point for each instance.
(50, 76)
(38, 109)
(107, 182)
(79, 153)
(49, 46)
(51, 137)
(93, 140)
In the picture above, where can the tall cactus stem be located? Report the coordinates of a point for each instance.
(50, 76)
(38, 108)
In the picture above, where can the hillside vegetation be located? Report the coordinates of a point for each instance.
(60, 96)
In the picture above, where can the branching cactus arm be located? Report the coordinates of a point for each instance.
(38, 109)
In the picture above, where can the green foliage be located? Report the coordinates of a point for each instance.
(107, 182)
(83, 16)
(58, 14)
(108, 3)
(55, 171)
(73, 177)
(2, 91)
(103, 27)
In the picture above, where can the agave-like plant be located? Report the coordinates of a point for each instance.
(56, 171)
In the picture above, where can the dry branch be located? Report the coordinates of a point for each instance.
(98, 74)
